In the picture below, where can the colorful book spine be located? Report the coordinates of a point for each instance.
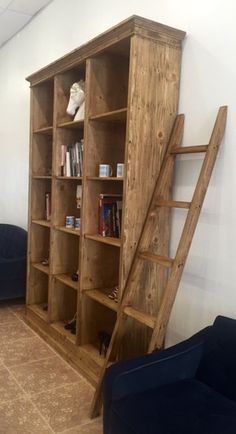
(109, 221)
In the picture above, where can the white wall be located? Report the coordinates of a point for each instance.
(208, 80)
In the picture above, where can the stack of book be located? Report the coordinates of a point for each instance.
(110, 214)
(72, 159)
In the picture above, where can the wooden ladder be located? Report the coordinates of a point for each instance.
(175, 265)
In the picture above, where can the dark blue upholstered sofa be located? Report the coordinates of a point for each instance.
(189, 388)
(13, 247)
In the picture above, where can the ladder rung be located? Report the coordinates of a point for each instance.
(144, 318)
(189, 149)
(161, 260)
(173, 204)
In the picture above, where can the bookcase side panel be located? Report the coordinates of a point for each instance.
(28, 286)
(152, 107)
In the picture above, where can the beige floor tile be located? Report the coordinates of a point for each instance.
(14, 330)
(21, 417)
(18, 309)
(6, 316)
(67, 406)
(24, 350)
(44, 375)
(9, 389)
(94, 427)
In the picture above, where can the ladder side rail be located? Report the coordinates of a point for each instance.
(188, 231)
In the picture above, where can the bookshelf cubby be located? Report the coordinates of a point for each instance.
(43, 98)
(42, 155)
(131, 74)
(65, 200)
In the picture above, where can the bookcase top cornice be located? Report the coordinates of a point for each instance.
(115, 35)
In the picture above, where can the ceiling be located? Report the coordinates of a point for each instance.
(15, 14)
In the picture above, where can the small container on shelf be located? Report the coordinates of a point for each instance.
(105, 170)
(77, 223)
(70, 221)
(120, 169)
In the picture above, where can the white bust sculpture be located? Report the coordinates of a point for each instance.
(77, 100)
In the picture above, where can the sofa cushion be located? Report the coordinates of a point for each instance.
(184, 407)
(218, 364)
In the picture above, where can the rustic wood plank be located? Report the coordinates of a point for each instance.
(42, 223)
(66, 278)
(161, 260)
(140, 316)
(102, 297)
(77, 125)
(117, 38)
(112, 116)
(106, 240)
(173, 204)
(190, 149)
(106, 179)
(130, 291)
(46, 130)
(40, 267)
(71, 231)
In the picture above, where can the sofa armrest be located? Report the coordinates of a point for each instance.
(152, 370)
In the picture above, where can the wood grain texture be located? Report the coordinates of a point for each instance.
(43, 106)
(132, 84)
(126, 327)
(152, 107)
(116, 40)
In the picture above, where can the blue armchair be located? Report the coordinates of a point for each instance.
(13, 247)
(189, 388)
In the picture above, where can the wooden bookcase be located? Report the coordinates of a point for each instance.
(132, 75)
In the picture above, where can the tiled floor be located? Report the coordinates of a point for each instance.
(39, 392)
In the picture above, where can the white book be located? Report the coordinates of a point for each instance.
(68, 172)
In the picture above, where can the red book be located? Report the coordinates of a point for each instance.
(107, 221)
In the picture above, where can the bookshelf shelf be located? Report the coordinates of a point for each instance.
(66, 279)
(45, 130)
(130, 107)
(65, 334)
(92, 351)
(75, 125)
(38, 310)
(111, 116)
(69, 178)
(106, 240)
(102, 298)
(41, 267)
(41, 177)
(42, 223)
(68, 230)
(106, 179)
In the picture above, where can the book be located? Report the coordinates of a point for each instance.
(109, 221)
(72, 159)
